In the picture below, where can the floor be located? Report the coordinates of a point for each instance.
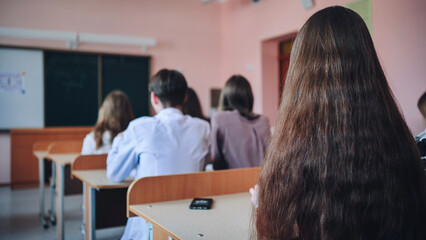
(19, 211)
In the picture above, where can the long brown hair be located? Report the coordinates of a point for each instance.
(342, 163)
(114, 115)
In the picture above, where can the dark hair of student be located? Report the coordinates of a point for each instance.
(192, 105)
(342, 163)
(237, 95)
(169, 86)
(114, 115)
(422, 104)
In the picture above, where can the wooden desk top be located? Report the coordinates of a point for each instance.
(229, 217)
(40, 154)
(63, 158)
(98, 179)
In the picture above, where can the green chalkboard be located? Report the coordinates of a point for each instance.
(129, 74)
(71, 88)
(74, 82)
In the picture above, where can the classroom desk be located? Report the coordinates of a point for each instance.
(95, 180)
(41, 154)
(24, 164)
(60, 160)
(229, 218)
(166, 206)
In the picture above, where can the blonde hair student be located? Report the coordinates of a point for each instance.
(342, 163)
(114, 116)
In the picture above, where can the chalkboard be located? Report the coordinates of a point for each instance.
(129, 74)
(23, 108)
(74, 82)
(71, 88)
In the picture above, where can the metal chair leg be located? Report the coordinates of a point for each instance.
(83, 209)
(44, 224)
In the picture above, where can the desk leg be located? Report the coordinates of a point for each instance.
(41, 176)
(60, 184)
(52, 215)
(151, 234)
(91, 212)
(83, 210)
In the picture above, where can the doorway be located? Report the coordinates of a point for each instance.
(284, 61)
(275, 62)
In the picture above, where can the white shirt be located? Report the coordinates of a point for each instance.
(168, 143)
(89, 144)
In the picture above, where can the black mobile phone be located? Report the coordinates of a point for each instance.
(201, 203)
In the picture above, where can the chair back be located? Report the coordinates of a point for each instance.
(191, 185)
(69, 146)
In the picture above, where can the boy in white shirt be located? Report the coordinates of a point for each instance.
(168, 143)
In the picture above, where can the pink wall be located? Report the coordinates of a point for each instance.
(244, 27)
(398, 33)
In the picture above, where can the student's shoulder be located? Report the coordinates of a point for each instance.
(142, 122)
(198, 121)
(90, 135)
(264, 119)
(224, 116)
(262, 123)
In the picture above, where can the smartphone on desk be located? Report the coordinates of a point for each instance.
(201, 203)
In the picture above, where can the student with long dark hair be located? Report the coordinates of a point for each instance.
(114, 115)
(192, 105)
(342, 163)
(239, 137)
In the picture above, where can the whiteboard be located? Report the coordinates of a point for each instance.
(22, 109)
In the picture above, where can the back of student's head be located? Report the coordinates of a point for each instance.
(237, 95)
(114, 116)
(422, 105)
(169, 86)
(342, 163)
(192, 105)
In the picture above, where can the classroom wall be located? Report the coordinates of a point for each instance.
(398, 34)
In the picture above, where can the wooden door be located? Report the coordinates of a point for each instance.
(284, 60)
